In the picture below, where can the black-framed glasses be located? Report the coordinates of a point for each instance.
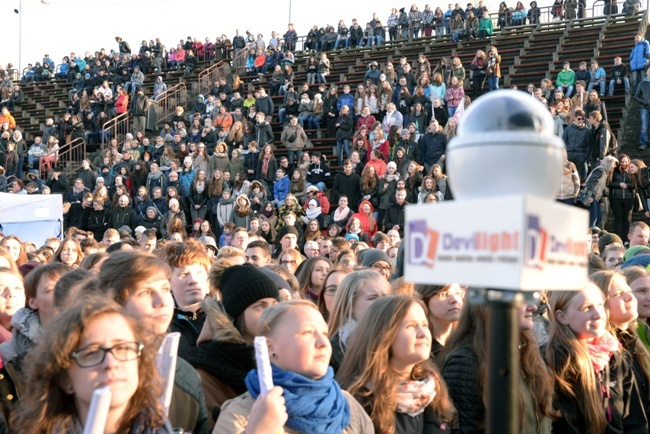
(380, 268)
(94, 355)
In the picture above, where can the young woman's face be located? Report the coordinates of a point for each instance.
(205, 227)
(313, 226)
(623, 306)
(14, 248)
(318, 274)
(331, 285)
(68, 254)
(585, 314)
(300, 343)
(371, 291)
(152, 301)
(641, 291)
(12, 295)
(412, 344)
(366, 208)
(266, 226)
(428, 184)
(121, 377)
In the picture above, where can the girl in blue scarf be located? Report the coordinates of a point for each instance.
(300, 352)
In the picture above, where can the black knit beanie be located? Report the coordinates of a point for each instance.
(243, 285)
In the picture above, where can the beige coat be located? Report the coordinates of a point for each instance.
(233, 418)
(301, 137)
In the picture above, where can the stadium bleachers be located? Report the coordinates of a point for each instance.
(529, 54)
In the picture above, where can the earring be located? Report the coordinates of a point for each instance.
(273, 355)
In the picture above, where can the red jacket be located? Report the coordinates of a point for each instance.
(368, 121)
(324, 203)
(384, 148)
(379, 165)
(122, 104)
(368, 223)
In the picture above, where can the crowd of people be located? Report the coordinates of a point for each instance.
(353, 346)
(201, 229)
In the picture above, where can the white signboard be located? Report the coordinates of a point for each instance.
(506, 242)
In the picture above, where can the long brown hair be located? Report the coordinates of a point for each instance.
(367, 362)
(471, 332)
(569, 363)
(603, 279)
(368, 181)
(47, 408)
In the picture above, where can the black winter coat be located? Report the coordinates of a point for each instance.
(345, 129)
(350, 186)
(615, 190)
(432, 147)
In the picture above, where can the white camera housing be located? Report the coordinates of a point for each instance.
(505, 145)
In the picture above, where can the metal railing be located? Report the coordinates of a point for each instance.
(116, 128)
(546, 16)
(239, 60)
(211, 75)
(70, 157)
(168, 101)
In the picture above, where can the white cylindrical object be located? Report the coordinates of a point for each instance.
(98, 412)
(505, 145)
(264, 371)
(166, 361)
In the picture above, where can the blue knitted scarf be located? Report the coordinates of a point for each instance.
(313, 406)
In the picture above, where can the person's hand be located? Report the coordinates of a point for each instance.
(197, 206)
(442, 157)
(618, 81)
(647, 213)
(623, 185)
(591, 199)
(268, 414)
(385, 186)
(396, 227)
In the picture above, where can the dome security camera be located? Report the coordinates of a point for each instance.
(505, 145)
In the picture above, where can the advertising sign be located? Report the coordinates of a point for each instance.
(512, 242)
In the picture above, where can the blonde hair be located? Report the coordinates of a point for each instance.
(272, 315)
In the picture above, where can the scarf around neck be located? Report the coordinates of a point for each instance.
(265, 165)
(341, 213)
(227, 361)
(313, 406)
(601, 350)
(313, 213)
(414, 396)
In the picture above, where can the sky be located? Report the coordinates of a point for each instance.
(56, 27)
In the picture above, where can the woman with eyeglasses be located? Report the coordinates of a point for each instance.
(332, 282)
(444, 304)
(356, 292)
(92, 344)
(464, 368)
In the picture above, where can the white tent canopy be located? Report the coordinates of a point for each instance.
(32, 217)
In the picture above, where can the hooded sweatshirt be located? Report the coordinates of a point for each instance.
(368, 223)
